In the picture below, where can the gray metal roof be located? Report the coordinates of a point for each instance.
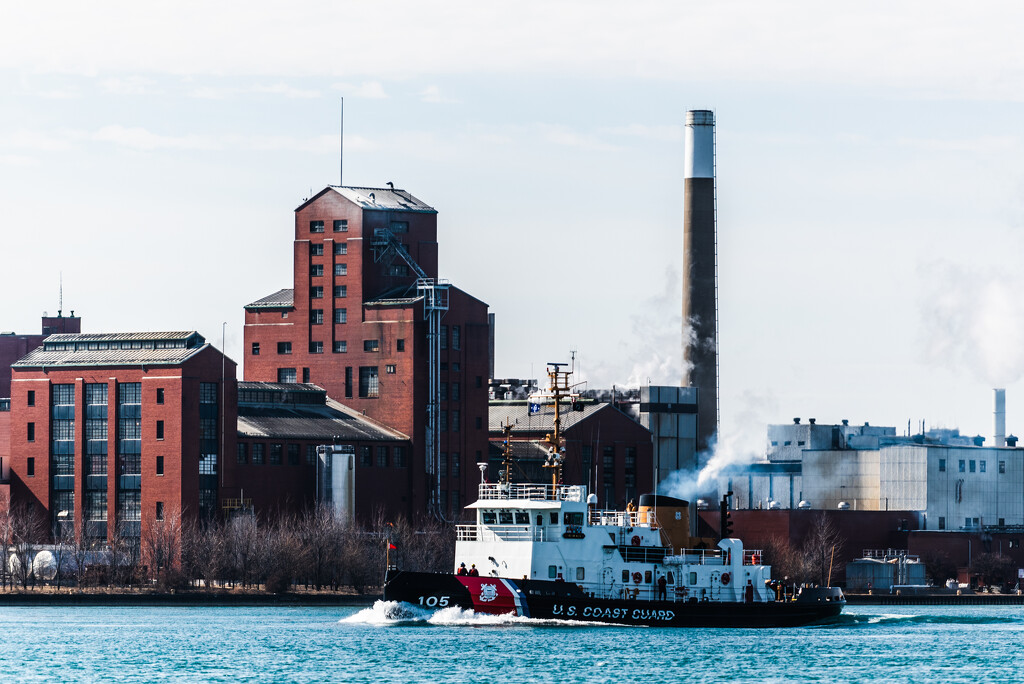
(323, 422)
(518, 411)
(115, 349)
(125, 337)
(383, 199)
(280, 299)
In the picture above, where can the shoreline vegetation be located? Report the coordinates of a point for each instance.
(310, 557)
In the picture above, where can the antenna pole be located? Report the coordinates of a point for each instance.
(341, 148)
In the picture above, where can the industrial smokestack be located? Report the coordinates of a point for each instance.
(1000, 417)
(700, 270)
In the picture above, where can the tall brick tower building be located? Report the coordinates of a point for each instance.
(369, 320)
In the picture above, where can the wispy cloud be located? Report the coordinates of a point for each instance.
(982, 144)
(209, 92)
(368, 90)
(563, 135)
(129, 85)
(432, 94)
(673, 133)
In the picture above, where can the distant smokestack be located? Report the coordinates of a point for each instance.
(700, 309)
(1000, 417)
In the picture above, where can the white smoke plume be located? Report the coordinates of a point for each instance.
(654, 351)
(734, 448)
(975, 319)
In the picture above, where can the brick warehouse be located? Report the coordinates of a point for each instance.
(605, 448)
(368, 320)
(117, 430)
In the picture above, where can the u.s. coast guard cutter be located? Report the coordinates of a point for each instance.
(547, 551)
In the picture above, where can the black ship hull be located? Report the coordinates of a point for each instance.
(566, 601)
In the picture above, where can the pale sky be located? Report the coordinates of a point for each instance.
(869, 179)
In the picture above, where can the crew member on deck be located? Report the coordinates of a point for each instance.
(473, 572)
(462, 570)
(662, 587)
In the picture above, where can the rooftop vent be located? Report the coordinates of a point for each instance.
(796, 421)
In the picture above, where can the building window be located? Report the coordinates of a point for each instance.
(398, 457)
(942, 465)
(972, 465)
(399, 227)
(257, 453)
(255, 348)
(444, 337)
(348, 382)
(340, 225)
(286, 375)
(159, 465)
(456, 337)
(293, 454)
(1002, 466)
(341, 315)
(963, 465)
(159, 429)
(30, 466)
(389, 369)
(310, 454)
(316, 317)
(400, 345)
(275, 454)
(316, 226)
(340, 346)
(31, 432)
(340, 269)
(455, 391)
(442, 468)
(284, 347)
(382, 457)
(371, 345)
(31, 399)
(305, 375)
(443, 391)
(456, 367)
(942, 523)
(480, 424)
(341, 291)
(159, 395)
(981, 466)
(341, 248)
(365, 458)
(456, 414)
(368, 383)
(456, 507)
(316, 292)
(442, 420)
(243, 453)
(159, 510)
(456, 464)
(479, 381)
(316, 250)
(398, 270)
(314, 348)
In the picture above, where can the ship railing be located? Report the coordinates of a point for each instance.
(696, 557)
(536, 492)
(753, 556)
(492, 533)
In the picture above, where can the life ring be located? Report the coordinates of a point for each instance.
(757, 559)
(725, 578)
(635, 540)
(637, 577)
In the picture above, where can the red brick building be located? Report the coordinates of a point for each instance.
(276, 467)
(368, 320)
(605, 448)
(110, 432)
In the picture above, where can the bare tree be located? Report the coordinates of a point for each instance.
(27, 528)
(125, 552)
(242, 544)
(6, 544)
(787, 563)
(161, 550)
(822, 545)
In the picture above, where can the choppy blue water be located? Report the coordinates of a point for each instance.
(868, 643)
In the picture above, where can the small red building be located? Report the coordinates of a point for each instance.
(605, 448)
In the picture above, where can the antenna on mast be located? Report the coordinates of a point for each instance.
(60, 293)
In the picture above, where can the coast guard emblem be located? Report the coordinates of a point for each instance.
(488, 592)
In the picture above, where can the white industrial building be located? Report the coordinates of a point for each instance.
(942, 475)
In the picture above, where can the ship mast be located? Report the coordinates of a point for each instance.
(506, 450)
(559, 388)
